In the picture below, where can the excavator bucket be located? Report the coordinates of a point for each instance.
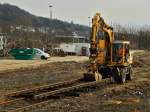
(92, 77)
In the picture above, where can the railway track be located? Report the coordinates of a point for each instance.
(24, 100)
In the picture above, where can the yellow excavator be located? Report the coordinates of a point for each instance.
(109, 58)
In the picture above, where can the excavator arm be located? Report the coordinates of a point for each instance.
(98, 24)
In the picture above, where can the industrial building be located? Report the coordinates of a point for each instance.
(77, 47)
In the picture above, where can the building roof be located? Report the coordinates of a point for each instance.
(119, 41)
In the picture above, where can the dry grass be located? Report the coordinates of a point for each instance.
(10, 64)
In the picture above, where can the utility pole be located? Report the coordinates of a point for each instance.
(89, 21)
(51, 11)
(50, 28)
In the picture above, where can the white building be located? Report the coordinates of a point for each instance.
(78, 47)
(3, 41)
(22, 28)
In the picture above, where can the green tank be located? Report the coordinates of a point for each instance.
(23, 53)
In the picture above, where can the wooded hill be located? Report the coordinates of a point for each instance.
(27, 30)
(14, 16)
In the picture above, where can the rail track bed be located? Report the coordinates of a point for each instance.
(26, 99)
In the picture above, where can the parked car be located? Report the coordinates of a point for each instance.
(41, 54)
(59, 52)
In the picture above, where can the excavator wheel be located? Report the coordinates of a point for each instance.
(118, 76)
(92, 77)
(122, 78)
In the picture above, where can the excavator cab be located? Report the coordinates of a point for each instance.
(120, 53)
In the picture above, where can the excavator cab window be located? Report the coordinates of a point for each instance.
(117, 52)
(127, 54)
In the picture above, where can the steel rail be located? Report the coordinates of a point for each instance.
(55, 92)
(55, 85)
(11, 101)
(63, 90)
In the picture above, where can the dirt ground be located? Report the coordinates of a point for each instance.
(133, 96)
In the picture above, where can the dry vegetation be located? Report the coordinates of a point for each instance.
(10, 64)
(133, 96)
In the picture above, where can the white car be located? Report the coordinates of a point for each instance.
(41, 54)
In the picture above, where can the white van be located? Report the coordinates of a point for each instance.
(41, 54)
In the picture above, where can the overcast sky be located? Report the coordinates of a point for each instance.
(118, 11)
